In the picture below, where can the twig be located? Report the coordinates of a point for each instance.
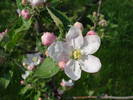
(98, 13)
(102, 97)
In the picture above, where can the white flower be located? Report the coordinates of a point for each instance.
(26, 74)
(32, 59)
(77, 51)
(68, 83)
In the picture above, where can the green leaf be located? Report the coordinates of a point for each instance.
(24, 90)
(47, 69)
(5, 80)
(37, 95)
(59, 18)
(18, 35)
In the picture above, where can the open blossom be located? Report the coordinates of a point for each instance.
(37, 2)
(65, 83)
(77, 51)
(48, 38)
(25, 14)
(32, 60)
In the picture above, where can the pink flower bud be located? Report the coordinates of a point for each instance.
(2, 34)
(61, 64)
(25, 14)
(30, 68)
(48, 38)
(79, 25)
(62, 84)
(39, 98)
(91, 33)
(22, 82)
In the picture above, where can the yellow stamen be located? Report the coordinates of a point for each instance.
(34, 59)
(76, 54)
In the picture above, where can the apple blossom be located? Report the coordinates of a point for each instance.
(77, 51)
(25, 14)
(48, 38)
(32, 60)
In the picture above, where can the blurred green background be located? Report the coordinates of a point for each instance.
(116, 53)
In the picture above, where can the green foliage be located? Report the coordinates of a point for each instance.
(60, 19)
(17, 35)
(5, 79)
(47, 69)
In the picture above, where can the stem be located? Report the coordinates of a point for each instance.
(102, 97)
(98, 13)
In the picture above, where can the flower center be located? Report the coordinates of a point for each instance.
(34, 59)
(76, 54)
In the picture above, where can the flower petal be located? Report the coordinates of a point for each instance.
(59, 51)
(73, 37)
(91, 44)
(72, 70)
(90, 64)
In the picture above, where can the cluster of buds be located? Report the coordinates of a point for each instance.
(101, 21)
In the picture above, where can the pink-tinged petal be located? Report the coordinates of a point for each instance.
(74, 37)
(79, 25)
(91, 33)
(90, 64)
(91, 44)
(59, 51)
(61, 64)
(72, 70)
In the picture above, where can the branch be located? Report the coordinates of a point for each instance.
(102, 97)
(98, 13)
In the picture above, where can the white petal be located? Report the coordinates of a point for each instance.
(90, 64)
(74, 37)
(91, 44)
(33, 59)
(59, 51)
(72, 70)
(68, 83)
